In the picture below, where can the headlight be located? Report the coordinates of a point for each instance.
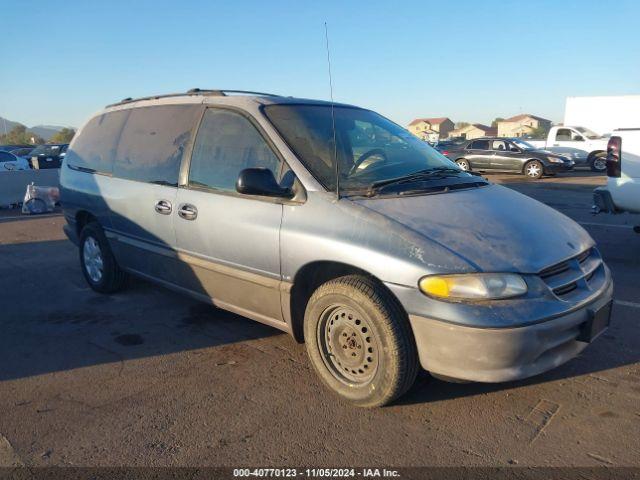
(474, 286)
(555, 159)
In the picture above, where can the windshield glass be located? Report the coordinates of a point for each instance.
(523, 145)
(590, 134)
(370, 148)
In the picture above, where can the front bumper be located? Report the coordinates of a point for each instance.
(558, 167)
(502, 354)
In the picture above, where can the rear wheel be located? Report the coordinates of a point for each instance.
(599, 162)
(99, 266)
(533, 169)
(359, 341)
(463, 164)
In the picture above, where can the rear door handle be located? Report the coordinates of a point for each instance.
(187, 211)
(163, 207)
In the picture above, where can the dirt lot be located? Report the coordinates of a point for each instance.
(148, 377)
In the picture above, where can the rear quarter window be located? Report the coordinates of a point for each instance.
(95, 147)
(153, 141)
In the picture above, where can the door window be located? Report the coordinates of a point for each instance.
(479, 145)
(153, 142)
(568, 135)
(499, 145)
(226, 144)
(6, 157)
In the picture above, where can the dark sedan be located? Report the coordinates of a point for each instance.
(48, 156)
(507, 155)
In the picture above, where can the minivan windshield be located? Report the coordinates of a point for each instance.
(370, 149)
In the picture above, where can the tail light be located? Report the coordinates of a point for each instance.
(614, 157)
(445, 152)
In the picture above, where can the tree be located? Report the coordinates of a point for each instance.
(540, 132)
(63, 136)
(462, 124)
(494, 124)
(19, 135)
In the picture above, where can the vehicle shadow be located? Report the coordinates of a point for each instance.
(51, 321)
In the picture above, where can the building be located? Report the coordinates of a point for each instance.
(603, 114)
(431, 129)
(475, 130)
(521, 125)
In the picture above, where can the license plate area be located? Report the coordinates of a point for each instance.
(598, 322)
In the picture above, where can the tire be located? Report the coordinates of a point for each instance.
(533, 169)
(359, 341)
(463, 163)
(99, 267)
(599, 163)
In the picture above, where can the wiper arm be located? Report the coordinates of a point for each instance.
(428, 173)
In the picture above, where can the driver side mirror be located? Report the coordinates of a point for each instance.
(260, 181)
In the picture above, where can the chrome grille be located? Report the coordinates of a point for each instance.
(575, 273)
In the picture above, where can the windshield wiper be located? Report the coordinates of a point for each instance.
(436, 172)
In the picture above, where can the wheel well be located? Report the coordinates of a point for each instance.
(532, 160)
(595, 153)
(307, 280)
(82, 218)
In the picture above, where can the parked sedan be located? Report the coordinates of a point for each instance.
(48, 156)
(9, 161)
(508, 155)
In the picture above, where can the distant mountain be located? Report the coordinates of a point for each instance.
(44, 131)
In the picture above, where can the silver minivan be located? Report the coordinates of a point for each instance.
(334, 224)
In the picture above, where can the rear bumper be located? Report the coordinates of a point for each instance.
(502, 354)
(70, 232)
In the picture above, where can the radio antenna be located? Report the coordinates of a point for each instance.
(333, 116)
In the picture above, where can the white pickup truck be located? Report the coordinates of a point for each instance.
(580, 144)
(622, 193)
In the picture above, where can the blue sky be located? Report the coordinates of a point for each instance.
(468, 60)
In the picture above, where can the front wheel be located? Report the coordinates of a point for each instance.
(359, 341)
(463, 164)
(599, 162)
(534, 169)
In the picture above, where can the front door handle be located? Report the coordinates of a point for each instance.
(187, 211)
(163, 207)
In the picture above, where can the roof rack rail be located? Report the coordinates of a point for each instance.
(193, 91)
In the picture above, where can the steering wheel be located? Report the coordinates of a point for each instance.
(364, 156)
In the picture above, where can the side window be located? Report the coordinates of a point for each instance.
(563, 135)
(95, 147)
(152, 143)
(6, 157)
(227, 143)
(479, 145)
(500, 145)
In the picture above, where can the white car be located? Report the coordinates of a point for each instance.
(622, 193)
(583, 146)
(9, 161)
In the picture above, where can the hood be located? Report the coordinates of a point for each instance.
(494, 228)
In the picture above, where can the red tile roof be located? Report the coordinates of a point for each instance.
(522, 116)
(432, 121)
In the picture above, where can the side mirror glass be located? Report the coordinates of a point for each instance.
(261, 181)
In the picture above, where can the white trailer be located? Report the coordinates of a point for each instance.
(603, 114)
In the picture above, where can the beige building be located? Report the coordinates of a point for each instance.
(521, 125)
(475, 130)
(431, 129)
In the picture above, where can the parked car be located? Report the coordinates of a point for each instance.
(48, 155)
(22, 152)
(9, 148)
(376, 250)
(507, 155)
(583, 146)
(9, 161)
(445, 145)
(622, 193)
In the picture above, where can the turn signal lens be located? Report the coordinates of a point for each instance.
(477, 286)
